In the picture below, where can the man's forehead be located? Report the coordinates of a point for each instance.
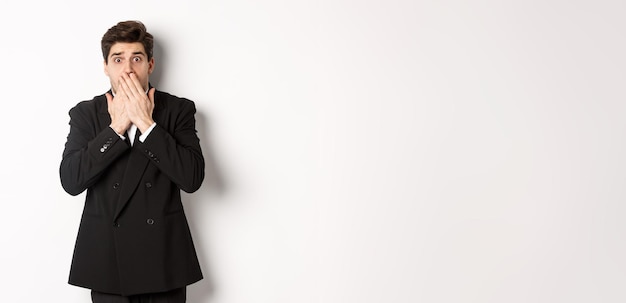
(121, 48)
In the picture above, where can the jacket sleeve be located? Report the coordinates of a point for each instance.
(88, 151)
(176, 151)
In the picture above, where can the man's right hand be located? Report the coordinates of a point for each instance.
(119, 119)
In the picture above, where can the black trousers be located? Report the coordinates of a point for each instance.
(173, 296)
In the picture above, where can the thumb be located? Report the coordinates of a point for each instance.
(109, 97)
(151, 94)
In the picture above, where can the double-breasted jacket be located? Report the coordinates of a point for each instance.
(133, 236)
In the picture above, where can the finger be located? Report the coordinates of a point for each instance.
(125, 88)
(136, 84)
(133, 89)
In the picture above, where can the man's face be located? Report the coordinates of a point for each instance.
(127, 58)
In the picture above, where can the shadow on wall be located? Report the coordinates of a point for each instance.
(196, 203)
(160, 59)
(196, 209)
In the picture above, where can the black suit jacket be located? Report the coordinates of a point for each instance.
(133, 237)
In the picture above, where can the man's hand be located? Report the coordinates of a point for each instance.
(138, 105)
(117, 110)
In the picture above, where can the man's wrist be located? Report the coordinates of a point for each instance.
(144, 125)
(146, 133)
(118, 132)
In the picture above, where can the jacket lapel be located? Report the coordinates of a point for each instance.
(103, 112)
(135, 168)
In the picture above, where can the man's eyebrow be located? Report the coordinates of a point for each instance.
(134, 53)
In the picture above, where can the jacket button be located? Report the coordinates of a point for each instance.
(148, 185)
(115, 224)
(150, 221)
(116, 186)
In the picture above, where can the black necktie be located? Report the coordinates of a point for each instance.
(137, 134)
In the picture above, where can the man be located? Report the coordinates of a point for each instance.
(133, 149)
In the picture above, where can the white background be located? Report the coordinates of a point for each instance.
(358, 151)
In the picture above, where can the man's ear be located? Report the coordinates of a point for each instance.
(104, 65)
(151, 65)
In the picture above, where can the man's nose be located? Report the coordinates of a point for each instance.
(128, 68)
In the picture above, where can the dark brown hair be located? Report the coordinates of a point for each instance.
(128, 32)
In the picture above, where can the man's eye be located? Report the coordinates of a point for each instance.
(136, 59)
(117, 60)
